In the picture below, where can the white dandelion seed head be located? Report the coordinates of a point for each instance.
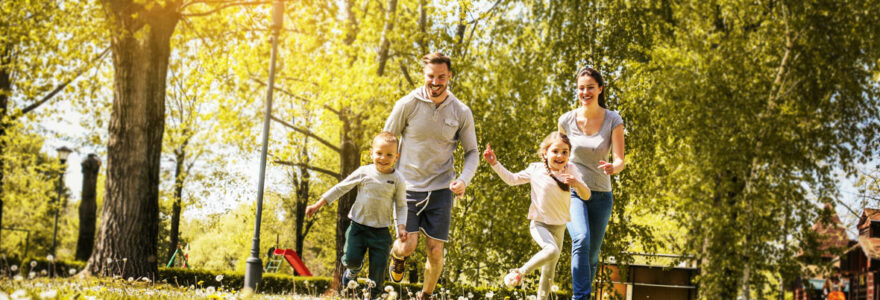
(352, 284)
(19, 294)
(490, 294)
(124, 259)
(43, 272)
(388, 288)
(219, 277)
(371, 283)
(18, 278)
(554, 288)
(13, 268)
(71, 271)
(50, 257)
(32, 274)
(146, 279)
(109, 260)
(50, 294)
(131, 279)
(210, 290)
(33, 263)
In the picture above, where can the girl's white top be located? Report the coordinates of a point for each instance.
(550, 204)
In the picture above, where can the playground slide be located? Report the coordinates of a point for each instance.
(294, 261)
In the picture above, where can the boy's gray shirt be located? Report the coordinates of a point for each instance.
(430, 135)
(380, 197)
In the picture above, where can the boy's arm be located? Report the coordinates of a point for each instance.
(312, 209)
(341, 188)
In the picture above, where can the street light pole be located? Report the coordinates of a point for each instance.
(63, 152)
(254, 270)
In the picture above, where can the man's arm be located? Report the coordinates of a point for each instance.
(470, 147)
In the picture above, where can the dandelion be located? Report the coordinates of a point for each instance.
(352, 284)
(201, 282)
(32, 274)
(146, 279)
(388, 288)
(531, 297)
(210, 290)
(109, 260)
(371, 284)
(43, 272)
(50, 294)
(18, 278)
(124, 259)
(220, 277)
(71, 271)
(19, 294)
(461, 298)
(470, 295)
(392, 295)
(13, 268)
(130, 279)
(554, 288)
(33, 263)
(50, 257)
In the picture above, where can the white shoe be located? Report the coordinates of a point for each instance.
(513, 279)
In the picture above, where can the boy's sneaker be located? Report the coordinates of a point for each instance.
(513, 279)
(346, 278)
(398, 266)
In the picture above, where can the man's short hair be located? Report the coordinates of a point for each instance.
(387, 137)
(437, 58)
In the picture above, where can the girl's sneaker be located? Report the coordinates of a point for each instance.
(513, 279)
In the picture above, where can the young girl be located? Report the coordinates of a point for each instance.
(551, 181)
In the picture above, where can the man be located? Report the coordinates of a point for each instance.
(431, 122)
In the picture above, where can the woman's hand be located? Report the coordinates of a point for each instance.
(606, 167)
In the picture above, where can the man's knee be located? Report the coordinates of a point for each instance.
(434, 250)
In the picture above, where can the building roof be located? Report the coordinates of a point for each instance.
(833, 234)
(868, 214)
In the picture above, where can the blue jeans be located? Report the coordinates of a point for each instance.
(587, 229)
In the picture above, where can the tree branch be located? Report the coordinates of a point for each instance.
(286, 92)
(221, 7)
(406, 74)
(63, 85)
(308, 133)
(307, 166)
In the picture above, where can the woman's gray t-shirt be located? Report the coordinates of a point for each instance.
(588, 150)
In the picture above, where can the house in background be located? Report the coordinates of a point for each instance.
(833, 240)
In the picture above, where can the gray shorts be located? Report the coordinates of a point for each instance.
(429, 214)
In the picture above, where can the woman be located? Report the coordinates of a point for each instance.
(594, 131)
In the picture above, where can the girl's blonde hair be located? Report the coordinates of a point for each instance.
(542, 151)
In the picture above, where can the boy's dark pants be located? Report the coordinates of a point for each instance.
(359, 238)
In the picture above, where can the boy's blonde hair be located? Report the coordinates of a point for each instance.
(387, 137)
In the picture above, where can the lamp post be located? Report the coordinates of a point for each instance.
(63, 152)
(254, 270)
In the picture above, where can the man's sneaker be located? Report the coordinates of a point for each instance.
(398, 266)
(422, 296)
(513, 279)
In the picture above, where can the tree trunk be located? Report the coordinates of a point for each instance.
(350, 160)
(180, 155)
(5, 91)
(140, 40)
(385, 45)
(302, 199)
(87, 208)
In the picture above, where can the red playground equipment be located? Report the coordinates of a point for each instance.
(292, 258)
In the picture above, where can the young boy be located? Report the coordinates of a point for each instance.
(381, 201)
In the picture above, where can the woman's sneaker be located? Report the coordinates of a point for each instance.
(398, 266)
(513, 279)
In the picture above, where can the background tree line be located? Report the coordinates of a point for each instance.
(738, 115)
